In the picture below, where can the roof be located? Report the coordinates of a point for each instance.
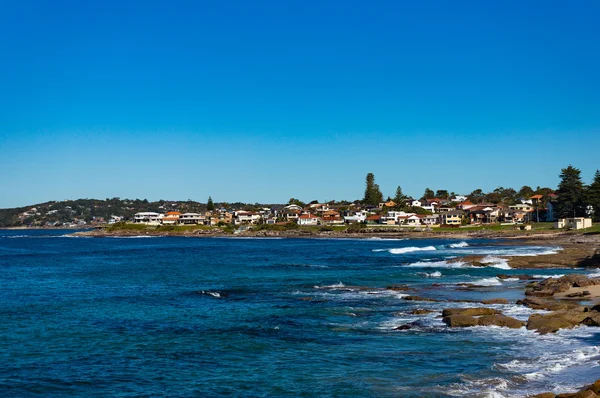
(307, 216)
(173, 213)
(375, 217)
(536, 197)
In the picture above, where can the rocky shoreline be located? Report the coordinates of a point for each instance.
(573, 249)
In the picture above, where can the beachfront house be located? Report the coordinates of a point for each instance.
(191, 218)
(148, 217)
(171, 218)
(573, 223)
(452, 217)
(308, 219)
(357, 216)
(332, 217)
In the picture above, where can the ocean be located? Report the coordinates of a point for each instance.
(180, 317)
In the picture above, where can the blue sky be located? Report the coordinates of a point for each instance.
(263, 101)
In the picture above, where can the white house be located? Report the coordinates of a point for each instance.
(148, 217)
(308, 219)
(358, 216)
(573, 223)
(191, 218)
(459, 198)
(246, 217)
(292, 207)
(416, 203)
(429, 219)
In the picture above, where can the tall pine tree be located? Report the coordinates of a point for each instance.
(399, 198)
(373, 195)
(570, 194)
(210, 206)
(593, 196)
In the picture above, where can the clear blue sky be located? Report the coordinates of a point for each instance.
(266, 100)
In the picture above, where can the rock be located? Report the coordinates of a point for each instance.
(548, 287)
(421, 311)
(566, 395)
(521, 277)
(418, 298)
(595, 387)
(469, 311)
(544, 395)
(403, 327)
(398, 288)
(541, 304)
(495, 301)
(593, 319)
(500, 320)
(460, 321)
(585, 394)
(550, 323)
(579, 294)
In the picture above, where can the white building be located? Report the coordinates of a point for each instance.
(573, 223)
(308, 219)
(358, 216)
(191, 218)
(148, 217)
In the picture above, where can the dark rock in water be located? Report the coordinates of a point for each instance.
(564, 319)
(460, 321)
(521, 277)
(399, 288)
(495, 301)
(404, 327)
(469, 311)
(593, 319)
(418, 298)
(579, 294)
(421, 311)
(550, 305)
(549, 287)
(500, 320)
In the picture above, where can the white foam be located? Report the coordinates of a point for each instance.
(411, 249)
(435, 274)
(334, 286)
(495, 262)
(595, 274)
(487, 282)
(458, 245)
(556, 276)
(439, 264)
(378, 238)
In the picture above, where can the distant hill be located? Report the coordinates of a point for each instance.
(94, 211)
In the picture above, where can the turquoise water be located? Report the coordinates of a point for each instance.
(174, 316)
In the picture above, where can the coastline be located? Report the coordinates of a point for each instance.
(571, 249)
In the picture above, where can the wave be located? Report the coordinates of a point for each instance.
(458, 245)
(435, 274)
(485, 282)
(133, 237)
(495, 262)
(556, 276)
(595, 273)
(404, 250)
(393, 239)
(334, 286)
(439, 264)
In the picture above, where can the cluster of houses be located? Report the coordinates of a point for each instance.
(455, 212)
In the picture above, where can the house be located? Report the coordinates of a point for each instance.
(332, 217)
(429, 219)
(416, 203)
(308, 219)
(413, 220)
(573, 223)
(171, 218)
(246, 217)
(522, 206)
(319, 207)
(466, 205)
(292, 207)
(191, 218)
(356, 216)
(458, 198)
(452, 217)
(535, 199)
(147, 217)
(291, 214)
(389, 203)
(374, 219)
(394, 215)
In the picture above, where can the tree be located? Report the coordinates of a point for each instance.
(399, 198)
(428, 194)
(525, 193)
(294, 201)
(593, 196)
(570, 194)
(373, 195)
(476, 195)
(441, 194)
(210, 206)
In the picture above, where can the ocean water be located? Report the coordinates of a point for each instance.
(180, 317)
